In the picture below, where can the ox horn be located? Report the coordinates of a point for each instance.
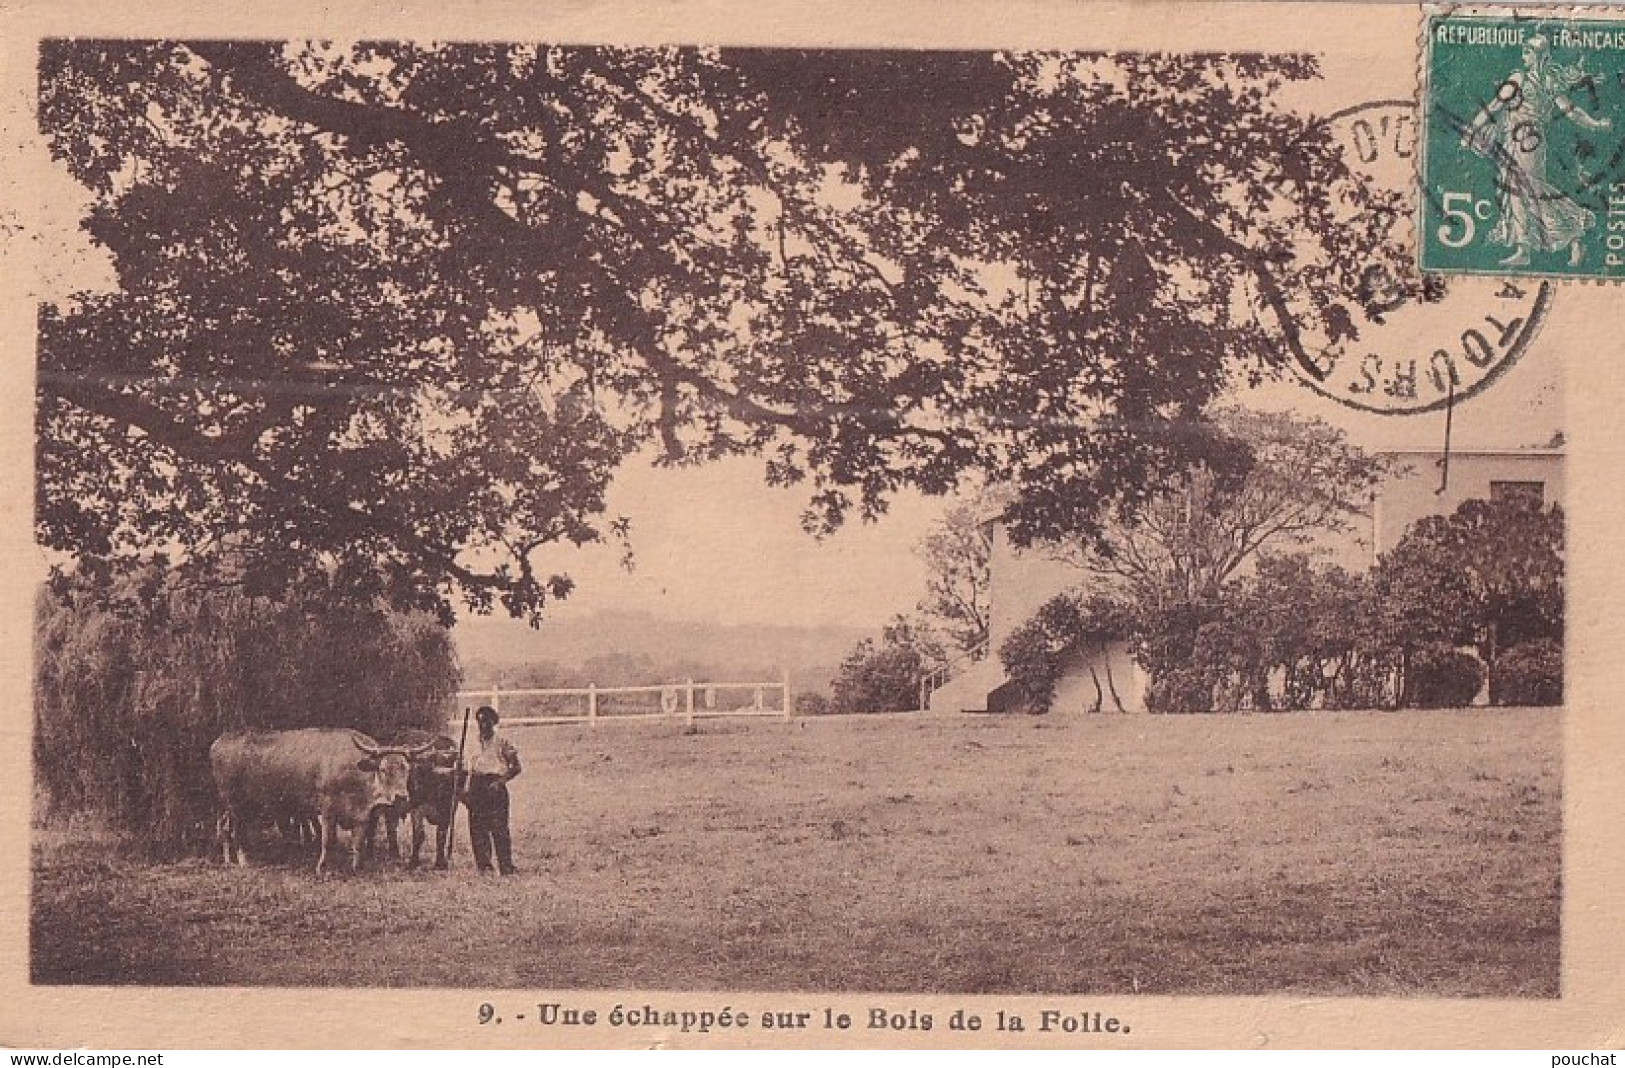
(410, 752)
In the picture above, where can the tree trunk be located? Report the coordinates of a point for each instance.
(1402, 691)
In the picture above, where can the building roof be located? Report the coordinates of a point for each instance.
(1455, 451)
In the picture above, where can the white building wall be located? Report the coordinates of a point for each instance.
(1413, 492)
(1121, 683)
(1019, 582)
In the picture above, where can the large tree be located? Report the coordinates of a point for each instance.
(405, 308)
(1267, 480)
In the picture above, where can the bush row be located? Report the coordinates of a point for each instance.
(1463, 599)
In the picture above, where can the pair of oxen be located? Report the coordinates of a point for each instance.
(340, 780)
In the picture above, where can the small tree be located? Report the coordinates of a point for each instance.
(885, 676)
(1037, 653)
(956, 554)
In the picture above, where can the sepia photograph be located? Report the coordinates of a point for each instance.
(814, 518)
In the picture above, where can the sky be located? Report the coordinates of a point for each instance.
(717, 544)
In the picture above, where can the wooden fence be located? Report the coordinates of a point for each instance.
(687, 700)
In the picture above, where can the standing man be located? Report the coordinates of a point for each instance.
(492, 763)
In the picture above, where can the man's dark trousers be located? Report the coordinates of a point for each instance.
(488, 822)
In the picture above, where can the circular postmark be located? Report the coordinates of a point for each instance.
(1420, 342)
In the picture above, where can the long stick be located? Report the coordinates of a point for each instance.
(456, 784)
(1444, 461)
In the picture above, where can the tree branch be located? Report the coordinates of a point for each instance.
(161, 427)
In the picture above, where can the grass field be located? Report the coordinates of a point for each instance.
(1347, 853)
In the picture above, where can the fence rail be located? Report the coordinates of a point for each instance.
(687, 700)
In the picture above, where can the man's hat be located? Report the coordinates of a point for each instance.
(485, 714)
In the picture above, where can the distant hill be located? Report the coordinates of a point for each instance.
(644, 648)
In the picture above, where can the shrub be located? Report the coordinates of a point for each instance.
(1180, 691)
(1442, 677)
(1529, 674)
(811, 704)
(885, 676)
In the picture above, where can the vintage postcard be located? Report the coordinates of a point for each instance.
(851, 525)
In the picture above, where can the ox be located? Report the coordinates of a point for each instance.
(431, 789)
(337, 775)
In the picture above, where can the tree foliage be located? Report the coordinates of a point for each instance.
(1038, 653)
(135, 679)
(1490, 574)
(1530, 673)
(884, 676)
(405, 308)
(1296, 634)
(1293, 634)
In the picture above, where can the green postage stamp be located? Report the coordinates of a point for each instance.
(1523, 169)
